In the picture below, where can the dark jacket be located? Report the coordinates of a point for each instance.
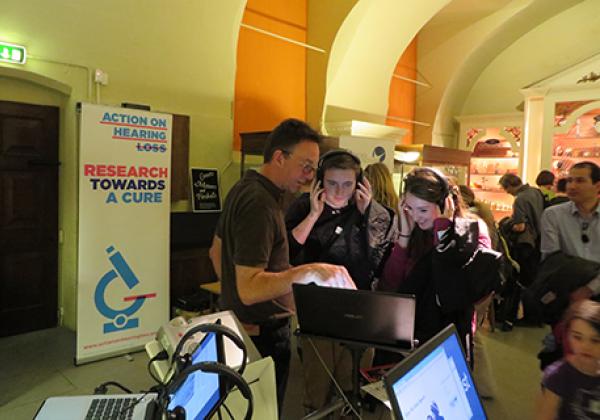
(444, 276)
(558, 276)
(344, 237)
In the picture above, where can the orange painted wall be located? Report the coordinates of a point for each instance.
(402, 93)
(271, 73)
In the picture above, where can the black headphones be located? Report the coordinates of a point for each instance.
(439, 176)
(333, 153)
(232, 378)
(182, 360)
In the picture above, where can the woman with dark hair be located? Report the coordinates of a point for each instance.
(438, 237)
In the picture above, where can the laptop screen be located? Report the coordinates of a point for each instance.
(369, 317)
(200, 391)
(435, 382)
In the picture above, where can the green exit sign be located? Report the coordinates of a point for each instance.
(11, 53)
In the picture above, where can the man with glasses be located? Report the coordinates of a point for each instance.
(250, 248)
(574, 227)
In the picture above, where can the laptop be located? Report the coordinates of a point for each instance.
(434, 382)
(380, 319)
(199, 395)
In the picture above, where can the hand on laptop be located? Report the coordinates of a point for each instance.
(327, 275)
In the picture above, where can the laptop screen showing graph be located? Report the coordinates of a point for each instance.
(434, 382)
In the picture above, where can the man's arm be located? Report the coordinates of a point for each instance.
(215, 255)
(256, 285)
(519, 216)
(550, 241)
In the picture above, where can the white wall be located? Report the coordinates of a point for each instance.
(558, 43)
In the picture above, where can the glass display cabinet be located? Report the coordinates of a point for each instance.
(452, 162)
(576, 135)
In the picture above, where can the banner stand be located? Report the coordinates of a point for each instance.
(123, 229)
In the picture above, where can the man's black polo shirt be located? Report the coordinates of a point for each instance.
(253, 234)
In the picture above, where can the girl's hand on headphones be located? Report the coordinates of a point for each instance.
(317, 199)
(449, 207)
(406, 224)
(363, 195)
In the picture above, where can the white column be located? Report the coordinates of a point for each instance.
(532, 150)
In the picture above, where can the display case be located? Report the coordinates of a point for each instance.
(576, 136)
(492, 158)
(495, 142)
(452, 162)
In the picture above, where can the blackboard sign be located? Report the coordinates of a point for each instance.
(205, 190)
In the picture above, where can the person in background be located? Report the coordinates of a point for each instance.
(574, 227)
(561, 193)
(382, 185)
(480, 209)
(250, 247)
(486, 385)
(421, 264)
(571, 386)
(338, 222)
(545, 182)
(525, 227)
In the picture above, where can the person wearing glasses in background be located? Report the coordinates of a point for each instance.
(250, 247)
(574, 227)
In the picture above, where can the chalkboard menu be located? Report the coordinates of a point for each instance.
(205, 190)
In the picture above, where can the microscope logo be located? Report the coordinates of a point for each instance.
(379, 153)
(121, 319)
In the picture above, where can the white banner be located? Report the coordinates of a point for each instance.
(370, 150)
(124, 206)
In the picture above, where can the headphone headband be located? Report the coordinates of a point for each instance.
(232, 377)
(338, 152)
(218, 329)
(440, 178)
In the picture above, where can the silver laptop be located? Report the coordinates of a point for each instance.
(199, 395)
(375, 318)
(435, 382)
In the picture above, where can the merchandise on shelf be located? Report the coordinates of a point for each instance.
(580, 142)
(491, 159)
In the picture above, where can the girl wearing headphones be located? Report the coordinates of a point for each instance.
(338, 223)
(426, 259)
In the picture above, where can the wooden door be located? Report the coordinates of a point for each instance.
(28, 217)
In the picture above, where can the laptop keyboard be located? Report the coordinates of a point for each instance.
(111, 408)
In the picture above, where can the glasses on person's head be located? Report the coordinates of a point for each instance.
(584, 237)
(307, 167)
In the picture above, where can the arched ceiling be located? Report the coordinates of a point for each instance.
(364, 55)
(553, 48)
(457, 41)
(495, 34)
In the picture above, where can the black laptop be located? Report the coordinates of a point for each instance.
(374, 318)
(434, 382)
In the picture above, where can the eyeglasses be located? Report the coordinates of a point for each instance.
(584, 237)
(307, 167)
